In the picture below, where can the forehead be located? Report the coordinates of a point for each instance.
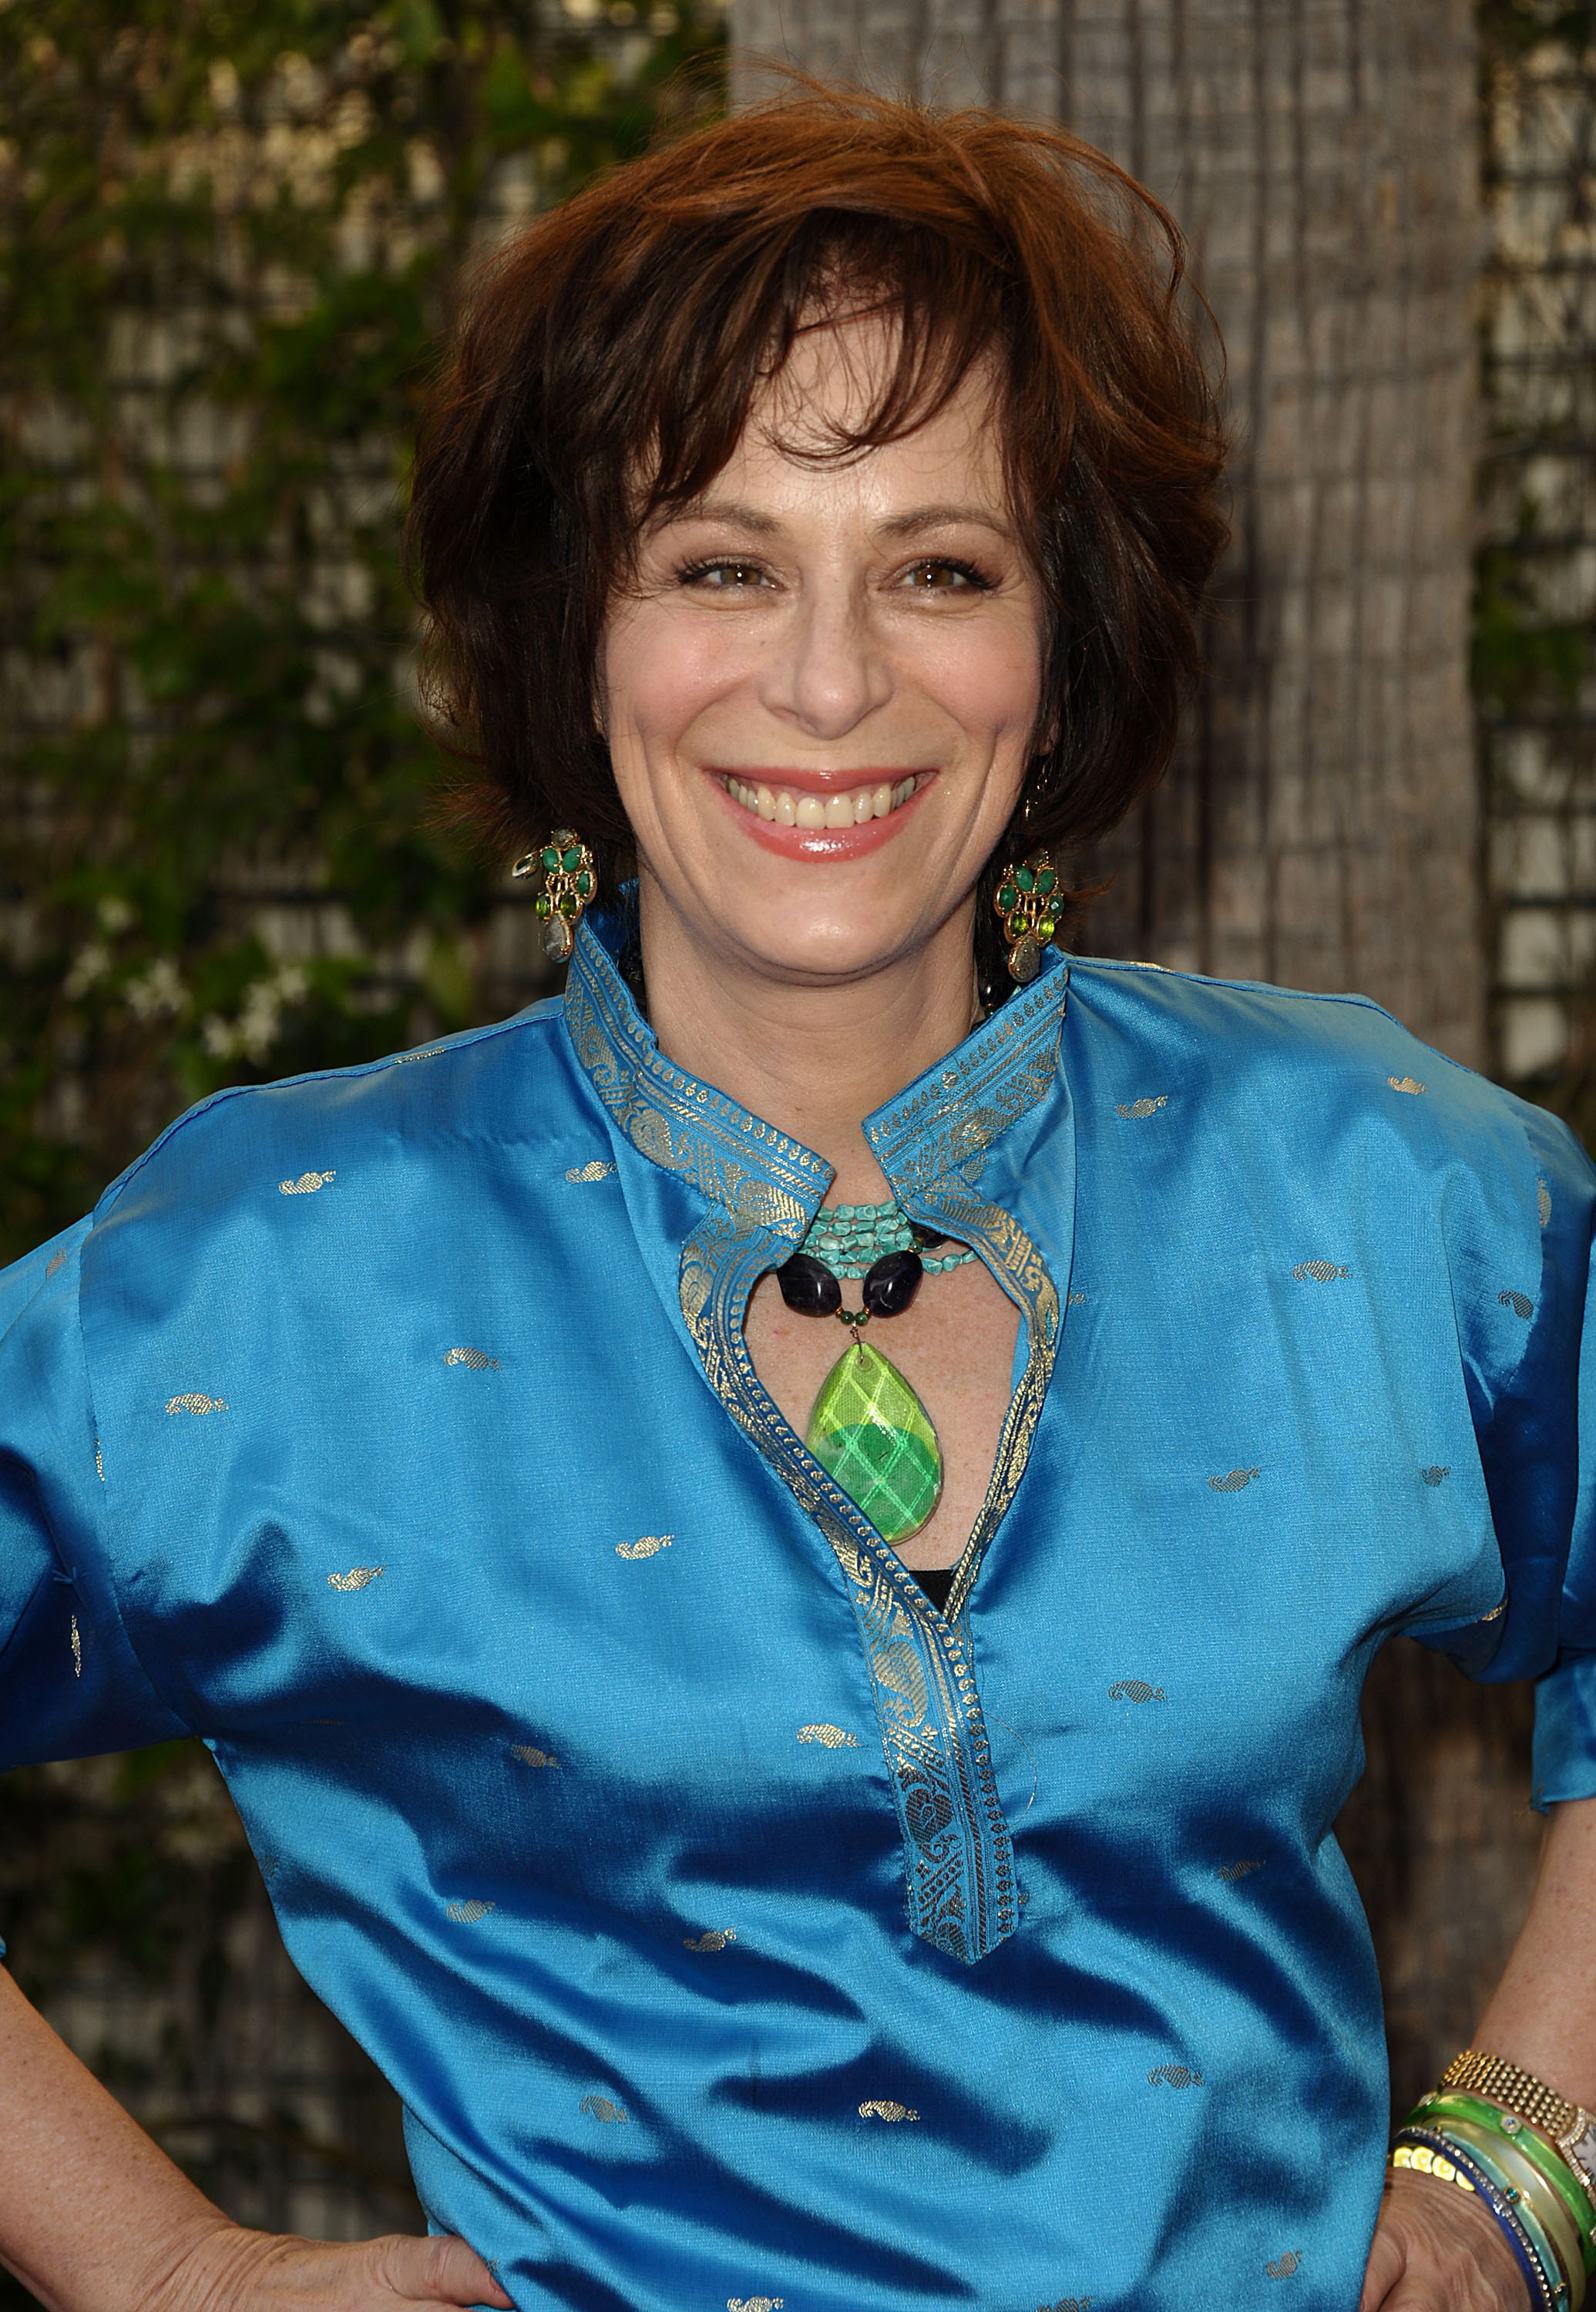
(795, 445)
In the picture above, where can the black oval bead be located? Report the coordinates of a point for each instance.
(892, 1283)
(809, 1286)
(926, 1240)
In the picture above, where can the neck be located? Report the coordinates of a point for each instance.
(814, 1061)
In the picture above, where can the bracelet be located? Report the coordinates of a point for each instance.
(1515, 2090)
(1419, 2148)
(1519, 2136)
(1538, 2207)
(1571, 2128)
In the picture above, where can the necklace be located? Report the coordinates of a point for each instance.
(868, 1428)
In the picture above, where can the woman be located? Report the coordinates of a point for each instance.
(815, 1813)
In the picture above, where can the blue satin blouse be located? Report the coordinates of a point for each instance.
(739, 1930)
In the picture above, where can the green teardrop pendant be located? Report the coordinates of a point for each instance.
(871, 1434)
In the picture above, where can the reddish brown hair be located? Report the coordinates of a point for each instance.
(605, 370)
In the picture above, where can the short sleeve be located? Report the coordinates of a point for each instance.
(1518, 1195)
(70, 1684)
(1565, 1698)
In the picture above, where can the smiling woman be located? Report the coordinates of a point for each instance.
(776, 1817)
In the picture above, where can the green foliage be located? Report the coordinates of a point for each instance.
(230, 232)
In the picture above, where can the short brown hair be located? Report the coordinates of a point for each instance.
(610, 353)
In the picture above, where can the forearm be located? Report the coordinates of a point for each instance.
(1543, 2015)
(94, 2216)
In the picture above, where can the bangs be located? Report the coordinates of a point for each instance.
(939, 319)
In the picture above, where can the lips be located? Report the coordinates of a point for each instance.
(800, 808)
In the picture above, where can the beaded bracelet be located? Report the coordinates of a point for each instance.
(1431, 2154)
(1570, 2127)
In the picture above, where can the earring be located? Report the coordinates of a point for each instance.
(570, 880)
(1027, 899)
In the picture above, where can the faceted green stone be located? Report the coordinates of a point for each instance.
(567, 903)
(571, 862)
(543, 905)
(1024, 878)
(1045, 880)
(1045, 928)
(1017, 924)
(873, 1435)
(1006, 896)
(551, 859)
(585, 885)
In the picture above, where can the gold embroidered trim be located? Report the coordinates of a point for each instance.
(680, 1123)
(77, 1650)
(762, 1188)
(197, 1403)
(356, 1577)
(99, 1464)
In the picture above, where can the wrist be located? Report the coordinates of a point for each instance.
(208, 2266)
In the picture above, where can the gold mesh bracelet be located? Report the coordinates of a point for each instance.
(1473, 2073)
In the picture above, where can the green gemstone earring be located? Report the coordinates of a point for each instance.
(1027, 899)
(570, 880)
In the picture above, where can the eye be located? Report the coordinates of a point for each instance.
(945, 577)
(723, 577)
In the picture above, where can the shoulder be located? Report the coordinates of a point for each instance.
(1292, 1057)
(293, 1138)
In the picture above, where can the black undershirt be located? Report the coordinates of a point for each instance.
(936, 1580)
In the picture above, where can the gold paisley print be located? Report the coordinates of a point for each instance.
(356, 1578)
(198, 1404)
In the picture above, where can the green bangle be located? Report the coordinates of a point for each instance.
(1524, 2137)
(1552, 2230)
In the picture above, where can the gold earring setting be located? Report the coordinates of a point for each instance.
(1027, 899)
(570, 880)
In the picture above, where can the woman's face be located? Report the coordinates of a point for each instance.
(821, 695)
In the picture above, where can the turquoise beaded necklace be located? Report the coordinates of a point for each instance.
(850, 1238)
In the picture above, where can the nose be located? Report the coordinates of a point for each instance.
(827, 672)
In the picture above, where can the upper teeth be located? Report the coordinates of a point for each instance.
(848, 810)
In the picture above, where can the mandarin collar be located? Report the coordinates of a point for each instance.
(939, 1127)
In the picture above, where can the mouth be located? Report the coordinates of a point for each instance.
(833, 812)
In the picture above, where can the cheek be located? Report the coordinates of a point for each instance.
(990, 684)
(660, 677)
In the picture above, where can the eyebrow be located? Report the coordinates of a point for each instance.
(918, 519)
